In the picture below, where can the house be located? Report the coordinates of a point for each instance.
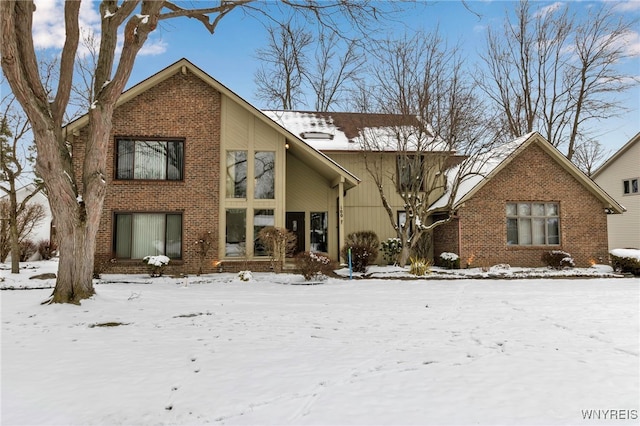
(190, 157)
(620, 177)
(525, 199)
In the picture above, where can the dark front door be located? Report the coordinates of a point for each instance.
(295, 224)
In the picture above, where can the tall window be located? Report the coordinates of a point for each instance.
(236, 174)
(630, 186)
(148, 234)
(319, 231)
(149, 160)
(409, 172)
(261, 219)
(264, 172)
(236, 232)
(533, 224)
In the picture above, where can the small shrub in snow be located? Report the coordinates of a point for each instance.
(47, 249)
(314, 265)
(449, 260)
(391, 248)
(27, 249)
(419, 266)
(156, 264)
(245, 275)
(626, 260)
(558, 259)
(364, 249)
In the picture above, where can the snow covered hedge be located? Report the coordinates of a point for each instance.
(448, 260)
(156, 264)
(626, 260)
(558, 259)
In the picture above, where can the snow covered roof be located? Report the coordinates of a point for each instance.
(476, 171)
(346, 131)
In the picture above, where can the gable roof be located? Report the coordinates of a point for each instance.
(344, 131)
(626, 147)
(324, 165)
(490, 164)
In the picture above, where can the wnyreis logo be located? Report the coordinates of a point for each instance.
(609, 414)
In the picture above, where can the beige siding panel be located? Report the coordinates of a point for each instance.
(306, 189)
(237, 125)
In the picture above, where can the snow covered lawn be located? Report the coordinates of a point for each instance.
(365, 352)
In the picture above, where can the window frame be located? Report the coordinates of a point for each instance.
(132, 213)
(142, 139)
(324, 232)
(520, 218)
(631, 186)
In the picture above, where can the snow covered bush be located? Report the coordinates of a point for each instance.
(626, 260)
(156, 264)
(27, 249)
(419, 266)
(245, 275)
(449, 260)
(391, 248)
(47, 249)
(558, 259)
(314, 265)
(364, 249)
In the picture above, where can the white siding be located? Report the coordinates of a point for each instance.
(624, 229)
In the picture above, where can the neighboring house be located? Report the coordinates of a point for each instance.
(188, 156)
(620, 177)
(44, 230)
(526, 199)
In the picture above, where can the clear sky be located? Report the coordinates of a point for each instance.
(229, 54)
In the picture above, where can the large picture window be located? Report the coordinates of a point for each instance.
(149, 160)
(236, 178)
(236, 232)
(148, 234)
(533, 224)
(264, 172)
(261, 219)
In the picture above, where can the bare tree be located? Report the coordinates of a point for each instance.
(552, 72)
(15, 157)
(589, 155)
(77, 200)
(283, 62)
(334, 68)
(13, 234)
(435, 130)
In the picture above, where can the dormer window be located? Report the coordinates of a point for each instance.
(316, 135)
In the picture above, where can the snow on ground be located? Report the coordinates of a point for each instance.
(369, 351)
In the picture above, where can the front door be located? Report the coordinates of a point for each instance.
(295, 224)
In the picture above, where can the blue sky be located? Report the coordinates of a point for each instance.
(229, 54)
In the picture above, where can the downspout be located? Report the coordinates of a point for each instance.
(457, 216)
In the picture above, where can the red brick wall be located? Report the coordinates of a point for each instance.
(182, 106)
(532, 176)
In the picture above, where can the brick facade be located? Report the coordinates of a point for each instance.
(183, 107)
(531, 177)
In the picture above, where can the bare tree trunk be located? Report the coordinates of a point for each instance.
(13, 231)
